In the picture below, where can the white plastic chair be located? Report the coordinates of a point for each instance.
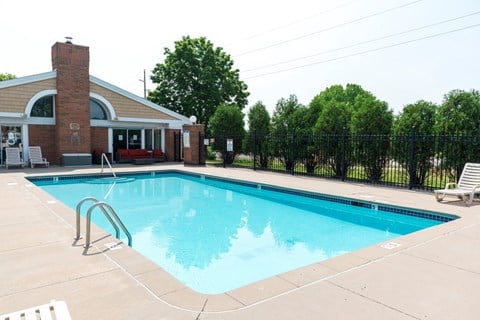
(12, 157)
(468, 185)
(35, 156)
(53, 310)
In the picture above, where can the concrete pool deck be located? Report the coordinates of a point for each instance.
(430, 274)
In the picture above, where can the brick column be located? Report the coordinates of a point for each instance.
(195, 154)
(72, 103)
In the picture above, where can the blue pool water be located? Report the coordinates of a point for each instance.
(215, 236)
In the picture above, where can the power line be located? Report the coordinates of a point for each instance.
(329, 28)
(366, 51)
(295, 22)
(361, 43)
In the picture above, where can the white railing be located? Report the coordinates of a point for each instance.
(104, 156)
(108, 212)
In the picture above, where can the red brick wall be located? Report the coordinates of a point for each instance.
(72, 104)
(99, 138)
(44, 136)
(195, 155)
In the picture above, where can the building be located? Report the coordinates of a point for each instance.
(68, 111)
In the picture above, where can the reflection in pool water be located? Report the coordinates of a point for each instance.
(216, 236)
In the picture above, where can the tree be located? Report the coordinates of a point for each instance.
(336, 94)
(196, 78)
(414, 144)
(227, 123)
(303, 142)
(332, 126)
(258, 130)
(6, 76)
(459, 113)
(335, 106)
(458, 124)
(283, 130)
(332, 94)
(373, 123)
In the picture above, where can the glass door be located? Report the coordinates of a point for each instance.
(153, 139)
(157, 138)
(119, 141)
(11, 136)
(149, 139)
(134, 139)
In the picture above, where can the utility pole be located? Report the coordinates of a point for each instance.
(144, 84)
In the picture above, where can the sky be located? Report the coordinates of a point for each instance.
(399, 50)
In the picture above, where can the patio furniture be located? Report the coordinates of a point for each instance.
(76, 159)
(12, 157)
(52, 310)
(143, 161)
(468, 185)
(128, 155)
(35, 156)
(158, 155)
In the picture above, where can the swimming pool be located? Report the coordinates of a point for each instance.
(216, 235)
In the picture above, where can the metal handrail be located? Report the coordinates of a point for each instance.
(104, 156)
(119, 222)
(77, 220)
(105, 213)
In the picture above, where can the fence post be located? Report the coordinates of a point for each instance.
(344, 145)
(292, 148)
(411, 166)
(224, 149)
(255, 149)
(200, 145)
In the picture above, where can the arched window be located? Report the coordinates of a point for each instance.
(97, 112)
(43, 107)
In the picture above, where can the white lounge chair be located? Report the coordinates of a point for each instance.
(35, 156)
(53, 310)
(468, 185)
(12, 157)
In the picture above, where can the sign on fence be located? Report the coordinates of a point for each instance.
(229, 144)
(186, 139)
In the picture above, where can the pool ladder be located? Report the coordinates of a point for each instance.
(104, 156)
(108, 212)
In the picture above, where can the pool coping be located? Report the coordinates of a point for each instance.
(170, 291)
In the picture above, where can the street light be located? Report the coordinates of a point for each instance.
(144, 84)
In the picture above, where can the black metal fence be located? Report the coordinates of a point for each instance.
(410, 161)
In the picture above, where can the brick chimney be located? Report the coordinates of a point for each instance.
(72, 104)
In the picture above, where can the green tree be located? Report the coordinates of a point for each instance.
(6, 76)
(283, 130)
(332, 128)
(458, 124)
(258, 130)
(196, 78)
(459, 113)
(332, 94)
(303, 142)
(414, 144)
(372, 122)
(227, 123)
(335, 106)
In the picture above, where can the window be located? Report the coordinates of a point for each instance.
(97, 112)
(43, 107)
